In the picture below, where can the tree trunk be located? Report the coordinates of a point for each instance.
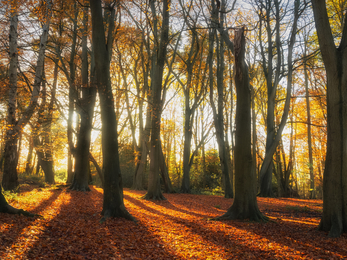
(29, 163)
(245, 203)
(273, 138)
(72, 98)
(10, 178)
(185, 187)
(154, 191)
(164, 173)
(334, 217)
(309, 139)
(86, 111)
(113, 204)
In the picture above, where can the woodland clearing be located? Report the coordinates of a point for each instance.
(176, 228)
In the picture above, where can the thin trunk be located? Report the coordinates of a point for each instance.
(165, 173)
(86, 111)
(273, 138)
(309, 138)
(72, 98)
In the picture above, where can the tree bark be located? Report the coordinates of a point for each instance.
(334, 217)
(245, 202)
(218, 113)
(113, 204)
(10, 178)
(309, 137)
(165, 173)
(273, 138)
(86, 110)
(72, 99)
(154, 191)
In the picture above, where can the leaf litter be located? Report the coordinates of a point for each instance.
(177, 228)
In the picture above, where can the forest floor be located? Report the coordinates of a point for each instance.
(177, 228)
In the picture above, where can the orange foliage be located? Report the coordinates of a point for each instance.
(178, 228)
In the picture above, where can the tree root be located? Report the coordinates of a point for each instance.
(148, 196)
(122, 213)
(232, 215)
(11, 210)
(76, 187)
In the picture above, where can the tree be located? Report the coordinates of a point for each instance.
(218, 114)
(42, 131)
(334, 217)
(113, 204)
(85, 107)
(194, 66)
(273, 78)
(14, 126)
(154, 191)
(245, 202)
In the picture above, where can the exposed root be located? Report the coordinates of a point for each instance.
(77, 187)
(232, 215)
(11, 210)
(149, 196)
(122, 213)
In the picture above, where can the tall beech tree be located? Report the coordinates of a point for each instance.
(158, 62)
(15, 126)
(245, 202)
(85, 108)
(334, 217)
(218, 114)
(113, 204)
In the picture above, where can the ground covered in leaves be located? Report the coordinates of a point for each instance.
(178, 228)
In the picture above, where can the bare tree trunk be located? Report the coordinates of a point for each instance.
(86, 111)
(154, 191)
(113, 204)
(245, 202)
(164, 172)
(10, 178)
(218, 113)
(72, 98)
(309, 138)
(334, 217)
(273, 138)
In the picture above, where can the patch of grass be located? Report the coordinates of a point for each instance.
(60, 176)
(215, 192)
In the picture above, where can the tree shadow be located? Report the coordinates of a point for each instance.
(303, 239)
(76, 233)
(208, 236)
(19, 222)
(298, 239)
